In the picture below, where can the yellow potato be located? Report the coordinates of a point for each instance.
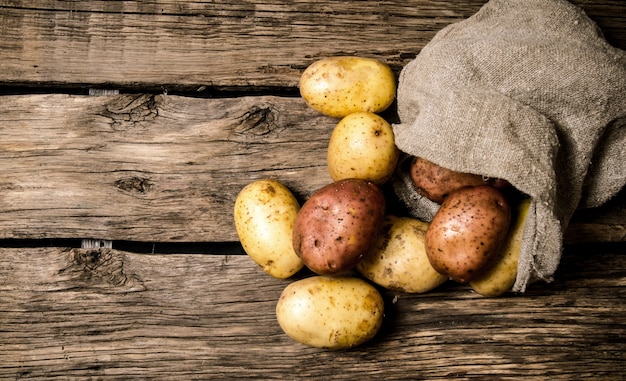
(330, 312)
(265, 211)
(398, 260)
(501, 276)
(338, 86)
(362, 146)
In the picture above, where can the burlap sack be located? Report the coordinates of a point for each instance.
(528, 91)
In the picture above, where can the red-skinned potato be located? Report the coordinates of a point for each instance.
(338, 224)
(467, 232)
(436, 183)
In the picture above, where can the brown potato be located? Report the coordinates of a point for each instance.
(338, 224)
(467, 232)
(436, 183)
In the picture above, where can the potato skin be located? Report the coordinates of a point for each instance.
(330, 312)
(398, 260)
(362, 146)
(338, 224)
(338, 86)
(436, 183)
(501, 275)
(467, 232)
(265, 212)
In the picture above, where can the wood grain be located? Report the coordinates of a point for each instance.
(607, 221)
(149, 167)
(194, 45)
(106, 314)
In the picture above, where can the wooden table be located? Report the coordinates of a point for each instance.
(127, 129)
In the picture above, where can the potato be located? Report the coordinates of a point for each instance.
(436, 183)
(467, 232)
(398, 260)
(330, 312)
(362, 146)
(265, 212)
(338, 224)
(338, 86)
(501, 275)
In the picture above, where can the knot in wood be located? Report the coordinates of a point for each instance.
(257, 121)
(134, 184)
(101, 269)
(89, 259)
(126, 111)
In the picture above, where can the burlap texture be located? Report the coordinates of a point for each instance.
(527, 91)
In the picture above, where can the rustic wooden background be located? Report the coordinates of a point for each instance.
(134, 124)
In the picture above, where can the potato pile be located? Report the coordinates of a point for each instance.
(344, 234)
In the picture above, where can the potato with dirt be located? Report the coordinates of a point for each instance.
(362, 146)
(467, 232)
(265, 212)
(436, 182)
(501, 275)
(338, 224)
(398, 260)
(338, 86)
(330, 312)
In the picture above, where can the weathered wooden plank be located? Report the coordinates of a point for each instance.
(107, 314)
(193, 44)
(168, 168)
(148, 168)
(606, 223)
